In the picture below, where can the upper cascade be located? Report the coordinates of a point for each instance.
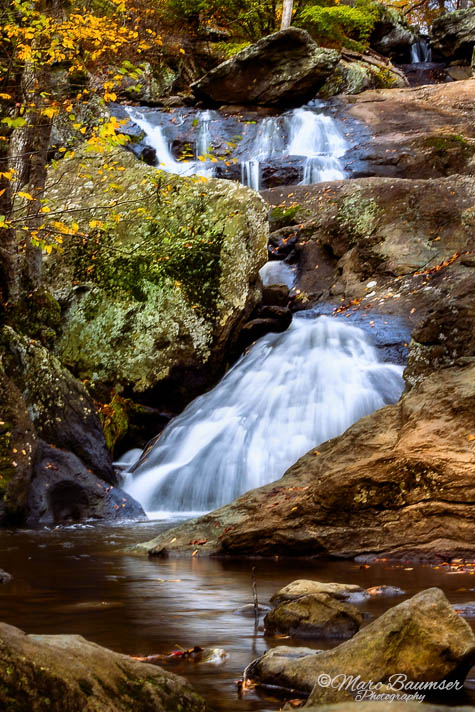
(304, 145)
(289, 393)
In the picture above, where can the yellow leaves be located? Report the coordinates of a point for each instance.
(50, 111)
(96, 223)
(45, 209)
(64, 229)
(8, 175)
(27, 196)
(182, 51)
(5, 96)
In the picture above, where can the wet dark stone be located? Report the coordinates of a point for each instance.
(63, 490)
(275, 295)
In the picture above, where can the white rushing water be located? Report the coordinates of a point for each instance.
(156, 139)
(421, 52)
(289, 393)
(303, 133)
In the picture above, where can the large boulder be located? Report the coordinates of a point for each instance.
(66, 673)
(420, 640)
(156, 283)
(316, 615)
(283, 69)
(453, 34)
(391, 35)
(390, 485)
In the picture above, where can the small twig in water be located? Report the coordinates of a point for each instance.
(254, 594)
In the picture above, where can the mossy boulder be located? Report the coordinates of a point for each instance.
(453, 34)
(357, 75)
(422, 639)
(315, 615)
(158, 280)
(58, 405)
(66, 673)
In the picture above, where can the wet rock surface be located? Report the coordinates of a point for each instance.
(404, 639)
(420, 132)
(315, 615)
(67, 673)
(405, 494)
(63, 490)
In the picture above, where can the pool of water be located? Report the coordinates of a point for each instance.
(79, 580)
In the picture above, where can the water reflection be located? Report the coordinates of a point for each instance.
(77, 580)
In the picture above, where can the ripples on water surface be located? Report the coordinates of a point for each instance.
(78, 580)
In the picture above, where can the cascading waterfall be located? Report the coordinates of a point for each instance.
(421, 52)
(316, 137)
(165, 159)
(204, 135)
(289, 393)
(305, 134)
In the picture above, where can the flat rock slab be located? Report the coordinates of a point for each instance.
(303, 587)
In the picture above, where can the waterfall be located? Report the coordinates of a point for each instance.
(421, 52)
(302, 132)
(157, 140)
(277, 272)
(316, 137)
(288, 394)
(305, 138)
(204, 136)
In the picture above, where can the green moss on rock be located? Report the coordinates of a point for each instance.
(163, 274)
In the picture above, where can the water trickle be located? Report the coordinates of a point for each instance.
(289, 393)
(421, 52)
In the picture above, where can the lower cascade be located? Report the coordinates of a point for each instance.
(289, 393)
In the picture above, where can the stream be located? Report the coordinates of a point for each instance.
(78, 580)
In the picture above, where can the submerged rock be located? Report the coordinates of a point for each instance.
(284, 69)
(316, 615)
(421, 639)
(157, 296)
(67, 673)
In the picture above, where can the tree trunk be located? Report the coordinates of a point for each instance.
(287, 8)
